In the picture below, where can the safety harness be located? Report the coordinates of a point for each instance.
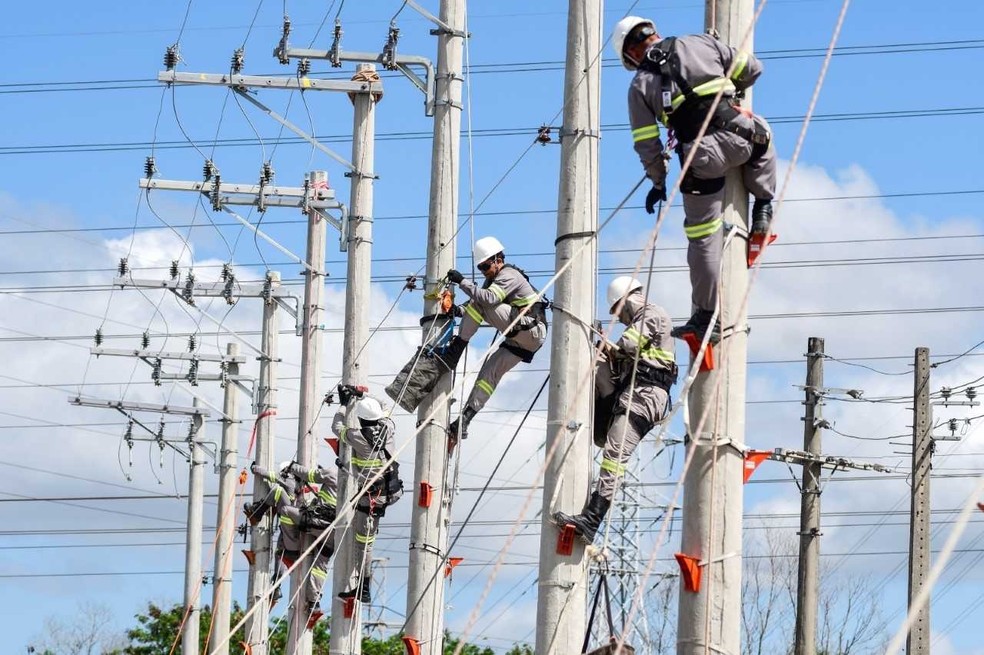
(389, 485)
(537, 315)
(686, 111)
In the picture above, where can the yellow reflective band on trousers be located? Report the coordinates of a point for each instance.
(366, 463)
(473, 313)
(499, 292)
(708, 89)
(485, 386)
(612, 466)
(704, 229)
(321, 574)
(741, 61)
(311, 475)
(286, 520)
(329, 499)
(365, 538)
(645, 133)
(648, 351)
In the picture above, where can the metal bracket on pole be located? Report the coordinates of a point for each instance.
(402, 63)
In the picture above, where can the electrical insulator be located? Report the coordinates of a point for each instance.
(543, 135)
(238, 60)
(281, 51)
(193, 372)
(215, 195)
(155, 374)
(334, 53)
(389, 50)
(268, 172)
(223, 374)
(226, 272)
(192, 343)
(953, 425)
(188, 292)
(945, 393)
(123, 267)
(171, 57)
(303, 67)
(971, 393)
(99, 337)
(150, 167)
(208, 170)
(145, 341)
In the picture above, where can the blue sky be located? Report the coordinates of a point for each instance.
(919, 175)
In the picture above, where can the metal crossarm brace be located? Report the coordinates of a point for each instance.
(128, 406)
(825, 461)
(151, 354)
(291, 83)
(403, 64)
(273, 196)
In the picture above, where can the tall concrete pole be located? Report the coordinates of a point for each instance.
(226, 517)
(346, 634)
(193, 537)
(299, 638)
(429, 525)
(808, 580)
(562, 598)
(712, 496)
(257, 625)
(917, 642)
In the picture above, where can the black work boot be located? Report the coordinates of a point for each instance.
(761, 216)
(587, 522)
(697, 325)
(254, 512)
(462, 422)
(452, 353)
(361, 592)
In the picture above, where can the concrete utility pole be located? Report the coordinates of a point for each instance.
(712, 496)
(429, 524)
(917, 642)
(346, 633)
(562, 598)
(299, 638)
(808, 579)
(193, 537)
(257, 626)
(226, 517)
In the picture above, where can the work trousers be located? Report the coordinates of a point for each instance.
(502, 360)
(717, 154)
(636, 413)
(366, 526)
(319, 570)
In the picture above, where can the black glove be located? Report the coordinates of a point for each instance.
(344, 394)
(252, 468)
(455, 276)
(656, 194)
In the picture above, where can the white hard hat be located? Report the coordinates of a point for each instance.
(284, 466)
(622, 30)
(486, 248)
(619, 288)
(369, 409)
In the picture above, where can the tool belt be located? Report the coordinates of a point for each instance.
(664, 378)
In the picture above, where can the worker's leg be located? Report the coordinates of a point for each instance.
(703, 226)
(493, 369)
(759, 172)
(624, 436)
(319, 572)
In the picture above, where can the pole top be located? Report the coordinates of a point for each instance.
(365, 68)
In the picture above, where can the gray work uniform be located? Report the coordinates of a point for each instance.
(499, 302)
(281, 499)
(369, 457)
(320, 485)
(639, 406)
(703, 64)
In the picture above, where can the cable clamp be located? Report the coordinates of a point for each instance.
(444, 31)
(361, 175)
(564, 132)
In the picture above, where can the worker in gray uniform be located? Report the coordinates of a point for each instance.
(317, 502)
(633, 380)
(676, 82)
(280, 498)
(501, 300)
(371, 458)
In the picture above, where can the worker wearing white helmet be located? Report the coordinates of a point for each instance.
(377, 478)
(676, 82)
(509, 303)
(633, 383)
(280, 498)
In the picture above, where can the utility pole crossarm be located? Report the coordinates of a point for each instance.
(248, 194)
(127, 406)
(273, 82)
(829, 462)
(152, 354)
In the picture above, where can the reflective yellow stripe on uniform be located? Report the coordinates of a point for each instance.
(499, 292)
(473, 313)
(612, 466)
(286, 520)
(647, 350)
(329, 499)
(365, 538)
(525, 300)
(321, 574)
(342, 433)
(485, 386)
(311, 475)
(645, 133)
(741, 61)
(708, 89)
(704, 229)
(366, 463)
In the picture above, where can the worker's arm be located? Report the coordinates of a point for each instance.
(644, 121)
(493, 295)
(746, 67)
(338, 425)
